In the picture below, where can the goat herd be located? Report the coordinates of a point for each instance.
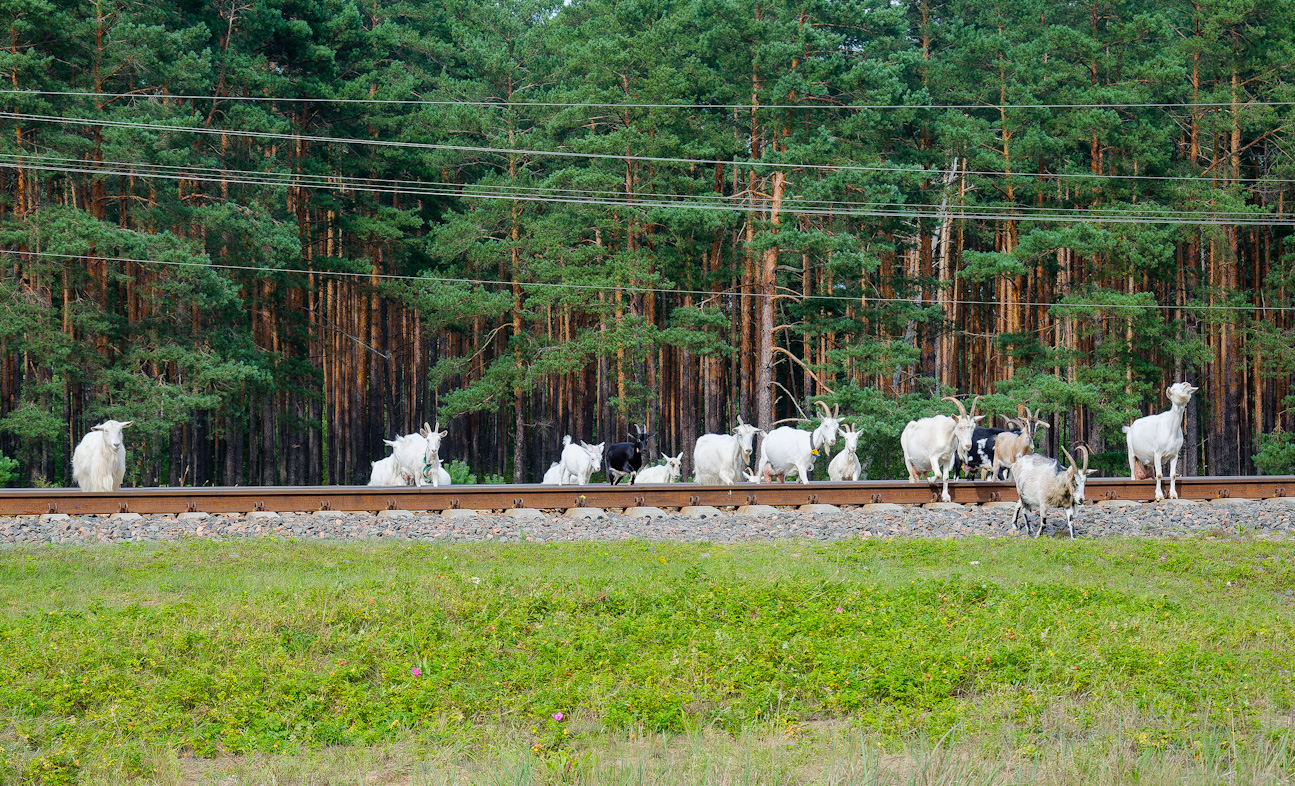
(938, 444)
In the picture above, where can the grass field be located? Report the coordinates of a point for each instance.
(901, 661)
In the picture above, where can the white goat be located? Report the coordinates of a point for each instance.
(386, 472)
(1154, 438)
(929, 444)
(410, 453)
(845, 466)
(553, 475)
(579, 461)
(1011, 445)
(720, 459)
(668, 472)
(433, 472)
(1042, 483)
(786, 449)
(99, 461)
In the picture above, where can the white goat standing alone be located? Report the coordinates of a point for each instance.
(845, 466)
(929, 444)
(99, 461)
(668, 472)
(1154, 438)
(1042, 483)
(720, 459)
(786, 449)
(579, 461)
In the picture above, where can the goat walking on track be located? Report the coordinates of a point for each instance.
(930, 443)
(1155, 438)
(579, 461)
(626, 458)
(1012, 445)
(721, 459)
(787, 449)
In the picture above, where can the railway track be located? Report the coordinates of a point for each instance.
(244, 499)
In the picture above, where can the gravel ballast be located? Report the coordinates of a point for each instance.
(1265, 519)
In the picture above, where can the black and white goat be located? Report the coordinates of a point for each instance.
(626, 458)
(979, 459)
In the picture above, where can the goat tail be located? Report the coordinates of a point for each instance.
(566, 440)
(1125, 429)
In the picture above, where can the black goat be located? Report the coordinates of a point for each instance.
(981, 457)
(626, 458)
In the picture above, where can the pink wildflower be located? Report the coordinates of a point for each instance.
(557, 716)
(417, 672)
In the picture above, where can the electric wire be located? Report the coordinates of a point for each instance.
(57, 119)
(152, 93)
(421, 187)
(959, 212)
(632, 288)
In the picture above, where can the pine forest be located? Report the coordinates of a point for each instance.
(274, 233)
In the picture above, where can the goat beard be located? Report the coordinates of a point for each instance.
(1142, 470)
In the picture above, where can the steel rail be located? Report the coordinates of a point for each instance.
(244, 499)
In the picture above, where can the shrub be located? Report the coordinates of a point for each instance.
(8, 470)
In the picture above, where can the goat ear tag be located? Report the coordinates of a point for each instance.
(814, 452)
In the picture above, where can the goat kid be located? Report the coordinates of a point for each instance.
(1153, 439)
(626, 458)
(720, 459)
(553, 475)
(1042, 483)
(579, 461)
(787, 449)
(930, 444)
(386, 472)
(845, 466)
(668, 472)
(99, 461)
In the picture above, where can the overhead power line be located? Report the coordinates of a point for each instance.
(108, 123)
(649, 201)
(834, 104)
(633, 288)
(791, 203)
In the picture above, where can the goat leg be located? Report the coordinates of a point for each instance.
(1160, 469)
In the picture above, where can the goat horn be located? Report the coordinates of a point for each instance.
(836, 410)
(974, 402)
(962, 411)
(827, 413)
(1085, 449)
(1073, 464)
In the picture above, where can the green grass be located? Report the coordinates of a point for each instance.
(162, 662)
